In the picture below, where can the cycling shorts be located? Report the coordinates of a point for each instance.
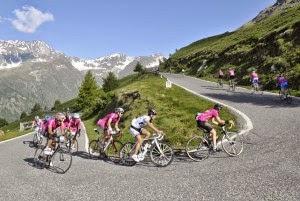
(255, 81)
(204, 125)
(284, 85)
(135, 131)
(232, 77)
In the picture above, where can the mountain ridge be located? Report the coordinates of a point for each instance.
(32, 72)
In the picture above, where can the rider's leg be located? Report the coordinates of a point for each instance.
(214, 138)
(139, 141)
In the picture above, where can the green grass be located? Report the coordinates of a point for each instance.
(176, 109)
(12, 130)
(273, 41)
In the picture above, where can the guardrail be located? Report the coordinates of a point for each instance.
(25, 126)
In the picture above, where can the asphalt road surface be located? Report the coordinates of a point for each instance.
(268, 169)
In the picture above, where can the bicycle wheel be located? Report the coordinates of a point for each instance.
(162, 155)
(289, 100)
(113, 149)
(61, 160)
(125, 154)
(72, 146)
(39, 159)
(196, 149)
(232, 144)
(94, 149)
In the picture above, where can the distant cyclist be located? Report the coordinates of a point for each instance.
(213, 115)
(231, 73)
(282, 83)
(254, 80)
(105, 123)
(220, 76)
(137, 129)
(74, 127)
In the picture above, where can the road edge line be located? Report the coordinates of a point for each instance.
(15, 138)
(248, 125)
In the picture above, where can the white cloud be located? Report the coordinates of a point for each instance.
(28, 19)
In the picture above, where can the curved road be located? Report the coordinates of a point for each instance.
(268, 169)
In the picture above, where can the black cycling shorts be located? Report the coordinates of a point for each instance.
(231, 77)
(204, 125)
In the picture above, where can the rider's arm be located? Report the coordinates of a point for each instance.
(109, 124)
(117, 126)
(217, 120)
(153, 127)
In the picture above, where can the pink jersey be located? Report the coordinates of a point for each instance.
(103, 122)
(231, 72)
(53, 124)
(254, 75)
(208, 115)
(74, 124)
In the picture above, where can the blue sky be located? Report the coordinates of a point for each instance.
(94, 28)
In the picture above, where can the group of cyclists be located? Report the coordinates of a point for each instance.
(60, 123)
(281, 80)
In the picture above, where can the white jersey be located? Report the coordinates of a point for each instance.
(141, 121)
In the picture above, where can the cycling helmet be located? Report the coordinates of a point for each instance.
(119, 109)
(47, 117)
(218, 106)
(152, 112)
(36, 118)
(76, 116)
(60, 116)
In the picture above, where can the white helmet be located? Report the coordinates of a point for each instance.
(36, 118)
(76, 116)
(119, 109)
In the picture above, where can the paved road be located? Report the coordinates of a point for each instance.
(269, 168)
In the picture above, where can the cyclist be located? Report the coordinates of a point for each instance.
(74, 126)
(137, 130)
(221, 76)
(213, 115)
(105, 123)
(254, 79)
(231, 74)
(37, 123)
(282, 82)
(51, 128)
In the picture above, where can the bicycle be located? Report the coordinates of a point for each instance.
(199, 148)
(71, 142)
(220, 83)
(256, 88)
(161, 154)
(231, 85)
(109, 149)
(285, 96)
(60, 160)
(37, 137)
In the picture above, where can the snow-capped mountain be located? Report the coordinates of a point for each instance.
(33, 72)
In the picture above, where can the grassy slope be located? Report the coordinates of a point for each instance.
(272, 41)
(259, 30)
(176, 109)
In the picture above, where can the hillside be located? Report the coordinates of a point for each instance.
(176, 108)
(271, 45)
(32, 71)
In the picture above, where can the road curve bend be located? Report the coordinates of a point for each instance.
(268, 169)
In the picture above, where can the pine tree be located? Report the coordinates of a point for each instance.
(23, 115)
(57, 105)
(3, 122)
(89, 93)
(37, 109)
(110, 82)
(139, 68)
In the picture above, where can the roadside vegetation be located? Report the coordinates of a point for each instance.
(176, 107)
(271, 46)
